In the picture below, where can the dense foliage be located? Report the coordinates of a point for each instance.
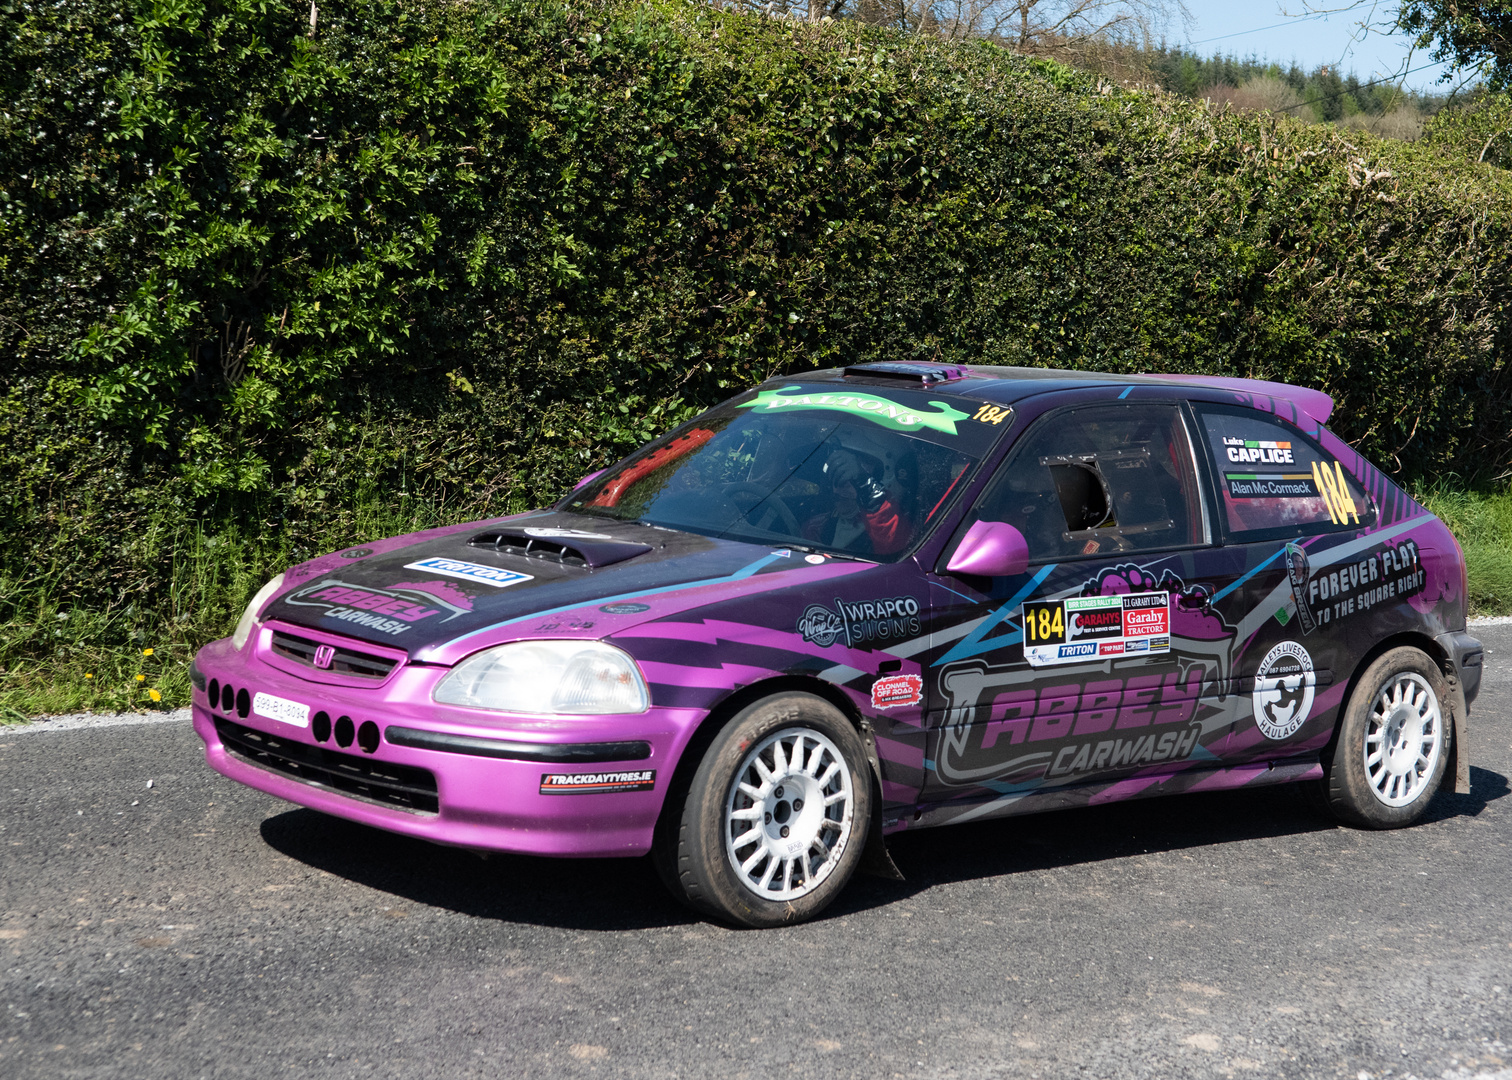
(450, 256)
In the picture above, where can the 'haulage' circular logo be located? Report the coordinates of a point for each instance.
(1283, 694)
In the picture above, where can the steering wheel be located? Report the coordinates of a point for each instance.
(755, 494)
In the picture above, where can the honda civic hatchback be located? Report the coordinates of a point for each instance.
(867, 600)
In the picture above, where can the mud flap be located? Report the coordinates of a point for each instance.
(1459, 767)
(875, 858)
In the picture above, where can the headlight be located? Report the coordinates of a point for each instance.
(579, 678)
(249, 617)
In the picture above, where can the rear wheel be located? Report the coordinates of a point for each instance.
(1393, 743)
(776, 816)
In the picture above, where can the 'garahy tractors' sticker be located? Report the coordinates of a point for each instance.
(1283, 694)
(1082, 628)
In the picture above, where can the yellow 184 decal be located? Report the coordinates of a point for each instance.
(1336, 495)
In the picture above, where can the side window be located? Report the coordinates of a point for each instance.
(1102, 479)
(1273, 481)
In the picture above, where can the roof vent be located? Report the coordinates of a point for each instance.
(575, 551)
(910, 371)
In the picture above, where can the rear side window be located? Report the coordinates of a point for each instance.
(1096, 480)
(1273, 481)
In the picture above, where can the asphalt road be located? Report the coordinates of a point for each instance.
(199, 929)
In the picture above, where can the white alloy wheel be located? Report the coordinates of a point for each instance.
(1404, 738)
(789, 814)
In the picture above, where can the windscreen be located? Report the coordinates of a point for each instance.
(857, 473)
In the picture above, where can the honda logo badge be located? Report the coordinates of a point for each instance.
(324, 654)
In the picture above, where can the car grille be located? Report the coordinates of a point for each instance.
(401, 786)
(344, 661)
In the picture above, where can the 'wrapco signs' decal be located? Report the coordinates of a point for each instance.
(856, 621)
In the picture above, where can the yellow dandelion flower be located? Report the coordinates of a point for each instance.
(154, 695)
(88, 675)
(146, 652)
(141, 678)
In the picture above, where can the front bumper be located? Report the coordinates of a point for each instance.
(401, 762)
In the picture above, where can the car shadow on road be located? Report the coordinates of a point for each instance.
(625, 894)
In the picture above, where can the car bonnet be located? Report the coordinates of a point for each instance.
(442, 595)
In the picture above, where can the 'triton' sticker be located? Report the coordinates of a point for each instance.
(1283, 694)
(1085, 628)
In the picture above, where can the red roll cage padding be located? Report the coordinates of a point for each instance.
(679, 446)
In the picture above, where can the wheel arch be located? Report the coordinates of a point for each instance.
(875, 858)
(1457, 769)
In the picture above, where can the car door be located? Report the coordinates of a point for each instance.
(1104, 660)
(1297, 521)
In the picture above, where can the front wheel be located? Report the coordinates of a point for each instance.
(1393, 743)
(776, 816)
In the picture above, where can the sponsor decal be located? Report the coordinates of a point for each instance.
(814, 560)
(597, 783)
(1298, 572)
(1283, 694)
(389, 611)
(1383, 576)
(565, 534)
(1095, 755)
(1009, 722)
(566, 623)
(858, 621)
(468, 571)
(1083, 627)
(878, 410)
(281, 709)
(441, 590)
(624, 609)
(356, 553)
(1251, 451)
(992, 414)
(896, 691)
(1271, 485)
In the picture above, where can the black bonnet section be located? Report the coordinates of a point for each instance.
(581, 550)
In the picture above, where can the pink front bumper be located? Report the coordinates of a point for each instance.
(490, 803)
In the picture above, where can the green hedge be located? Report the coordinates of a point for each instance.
(436, 260)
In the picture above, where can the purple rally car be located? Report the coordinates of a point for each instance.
(865, 600)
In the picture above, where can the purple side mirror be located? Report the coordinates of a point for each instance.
(991, 549)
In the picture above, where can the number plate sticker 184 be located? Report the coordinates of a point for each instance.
(281, 709)
(1079, 629)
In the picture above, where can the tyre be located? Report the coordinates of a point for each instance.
(1393, 743)
(775, 818)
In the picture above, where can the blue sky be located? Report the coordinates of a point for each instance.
(1262, 27)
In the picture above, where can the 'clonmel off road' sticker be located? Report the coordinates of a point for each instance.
(1079, 629)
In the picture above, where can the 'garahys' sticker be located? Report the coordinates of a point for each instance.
(1283, 694)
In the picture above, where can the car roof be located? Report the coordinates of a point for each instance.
(1010, 384)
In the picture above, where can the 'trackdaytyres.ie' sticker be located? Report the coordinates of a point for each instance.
(1085, 628)
(597, 783)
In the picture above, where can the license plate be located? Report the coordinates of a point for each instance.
(281, 709)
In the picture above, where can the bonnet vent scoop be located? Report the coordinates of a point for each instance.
(910, 371)
(585, 552)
